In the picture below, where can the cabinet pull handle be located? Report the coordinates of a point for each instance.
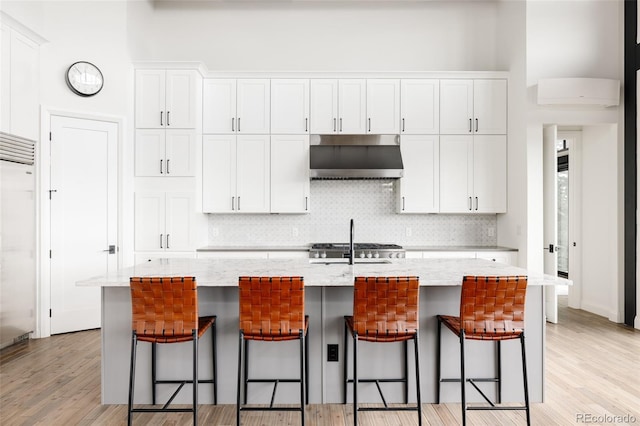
(233, 122)
(402, 203)
(476, 124)
(470, 204)
(470, 128)
(168, 124)
(403, 124)
(168, 165)
(238, 124)
(340, 123)
(369, 119)
(334, 124)
(238, 203)
(161, 118)
(306, 203)
(161, 241)
(167, 240)
(233, 200)
(306, 124)
(476, 203)
(161, 166)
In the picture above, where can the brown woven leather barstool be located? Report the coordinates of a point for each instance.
(385, 309)
(165, 310)
(492, 309)
(272, 309)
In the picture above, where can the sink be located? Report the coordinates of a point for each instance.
(345, 261)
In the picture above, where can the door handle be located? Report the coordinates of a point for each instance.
(551, 248)
(470, 204)
(167, 240)
(340, 123)
(168, 165)
(110, 250)
(238, 124)
(161, 241)
(161, 118)
(306, 203)
(476, 125)
(233, 122)
(334, 124)
(403, 124)
(233, 203)
(369, 119)
(402, 203)
(476, 203)
(168, 124)
(470, 128)
(306, 124)
(161, 166)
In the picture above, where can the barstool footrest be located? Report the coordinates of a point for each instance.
(497, 407)
(162, 410)
(398, 408)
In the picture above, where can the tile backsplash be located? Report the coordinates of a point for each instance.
(372, 205)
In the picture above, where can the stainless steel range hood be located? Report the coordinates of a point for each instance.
(355, 157)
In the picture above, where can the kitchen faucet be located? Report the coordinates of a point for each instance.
(351, 244)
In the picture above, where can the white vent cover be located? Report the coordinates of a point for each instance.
(579, 91)
(16, 149)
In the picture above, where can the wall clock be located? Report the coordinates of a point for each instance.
(84, 78)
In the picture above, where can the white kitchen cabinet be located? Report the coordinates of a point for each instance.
(448, 255)
(163, 221)
(290, 106)
(420, 106)
(169, 153)
(19, 64)
(233, 106)
(338, 106)
(290, 188)
(473, 174)
(419, 187)
(507, 257)
(235, 174)
(166, 99)
(383, 106)
(473, 106)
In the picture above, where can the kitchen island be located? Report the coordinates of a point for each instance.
(329, 288)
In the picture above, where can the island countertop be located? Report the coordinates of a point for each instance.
(225, 272)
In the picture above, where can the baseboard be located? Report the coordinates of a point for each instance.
(595, 308)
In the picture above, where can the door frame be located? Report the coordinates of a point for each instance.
(43, 215)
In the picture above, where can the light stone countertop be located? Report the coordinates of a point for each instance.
(307, 247)
(225, 272)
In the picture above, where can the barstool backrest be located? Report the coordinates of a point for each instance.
(492, 305)
(164, 306)
(271, 306)
(385, 305)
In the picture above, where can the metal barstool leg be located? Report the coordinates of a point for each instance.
(195, 377)
(302, 376)
(154, 379)
(438, 360)
(524, 377)
(418, 393)
(355, 379)
(405, 345)
(499, 370)
(246, 370)
(238, 389)
(306, 367)
(132, 374)
(345, 366)
(215, 364)
(463, 380)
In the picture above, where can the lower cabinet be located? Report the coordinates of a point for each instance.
(509, 257)
(164, 221)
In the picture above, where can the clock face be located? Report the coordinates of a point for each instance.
(84, 79)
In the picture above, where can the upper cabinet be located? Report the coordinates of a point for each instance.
(166, 99)
(290, 174)
(289, 106)
(419, 187)
(165, 153)
(420, 107)
(473, 106)
(18, 88)
(383, 106)
(236, 106)
(338, 106)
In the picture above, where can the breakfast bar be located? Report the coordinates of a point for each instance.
(329, 287)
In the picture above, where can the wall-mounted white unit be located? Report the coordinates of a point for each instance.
(601, 92)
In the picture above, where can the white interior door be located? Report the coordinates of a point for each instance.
(83, 217)
(550, 188)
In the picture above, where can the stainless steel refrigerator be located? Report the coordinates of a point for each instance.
(17, 239)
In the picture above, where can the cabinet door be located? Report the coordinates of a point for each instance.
(352, 106)
(24, 64)
(383, 106)
(456, 107)
(219, 106)
(180, 153)
(490, 107)
(456, 162)
(253, 106)
(490, 174)
(420, 107)
(507, 257)
(180, 103)
(290, 106)
(149, 220)
(179, 218)
(252, 174)
(324, 106)
(419, 187)
(289, 174)
(150, 97)
(218, 173)
(150, 152)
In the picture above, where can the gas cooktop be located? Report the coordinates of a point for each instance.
(361, 250)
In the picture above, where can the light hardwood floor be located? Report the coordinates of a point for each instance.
(593, 369)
